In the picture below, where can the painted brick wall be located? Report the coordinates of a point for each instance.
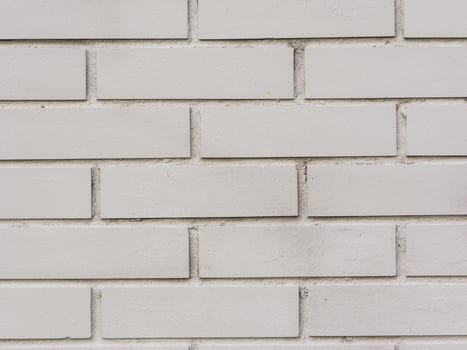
(233, 174)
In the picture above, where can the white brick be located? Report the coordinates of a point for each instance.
(250, 19)
(435, 19)
(79, 133)
(294, 347)
(42, 313)
(298, 131)
(92, 19)
(198, 191)
(42, 193)
(297, 251)
(434, 346)
(437, 130)
(380, 190)
(386, 72)
(42, 74)
(436, 250)
(200, 312)
(387, 310)
(93, 252)
(195, 73)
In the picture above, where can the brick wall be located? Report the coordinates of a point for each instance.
(233, 174)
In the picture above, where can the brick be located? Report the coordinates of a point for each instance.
(295, 347)
(177, 73)
(296, 251)
(293, 131)
(433, 346)
(256, 19)
(435, 19)
(93, 252)
(381, 190)
(45, 313)
(45, 193)
(42, 74)
(93, 19)
(387, 310)
(200, 312)
(80, 133)
(436, 250)
(198, 191)
(437, 130)
(386, 72)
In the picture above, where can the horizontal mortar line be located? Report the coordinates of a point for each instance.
(185, 42)
(286, 102)
(307, 340)
(337, 161)
(334, 340)
(241, 221)
(98, 283)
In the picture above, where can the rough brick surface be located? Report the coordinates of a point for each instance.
(80, 133)
(202, 312)
(238, 73)
(386, 72)
(42, 193)
(247, 19)
(371, 310)
(41, 313)
(93, 252)
(297, 251)
(436, 130)
(381, 190)
(252, 132)
(436, 250)
(93, 19)
(42, 74)
(180, 191)
(435, 19)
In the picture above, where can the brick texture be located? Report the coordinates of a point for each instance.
(247, 19)
(297, 251)
(233, 174)
(385, 72)
(45, 313)
(195, 191)
(366, 310)
(203, 312)
(42, 74)
(93, 252)
(81, 133)
(93, 19)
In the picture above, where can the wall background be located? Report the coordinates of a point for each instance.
(217, 173)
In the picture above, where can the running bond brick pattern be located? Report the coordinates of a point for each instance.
(233, 174)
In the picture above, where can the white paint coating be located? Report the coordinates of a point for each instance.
(45, 313)
(93, 19)
(200, 312)
(382, 190)
(197, 191)
(41, 193)
(93, 252)
(42, 74)
(436, 250)
(387, 310)
(296, 251)
(80, 133)
(247, 19)
(226, 73)
(324, 131)
(386, 72)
